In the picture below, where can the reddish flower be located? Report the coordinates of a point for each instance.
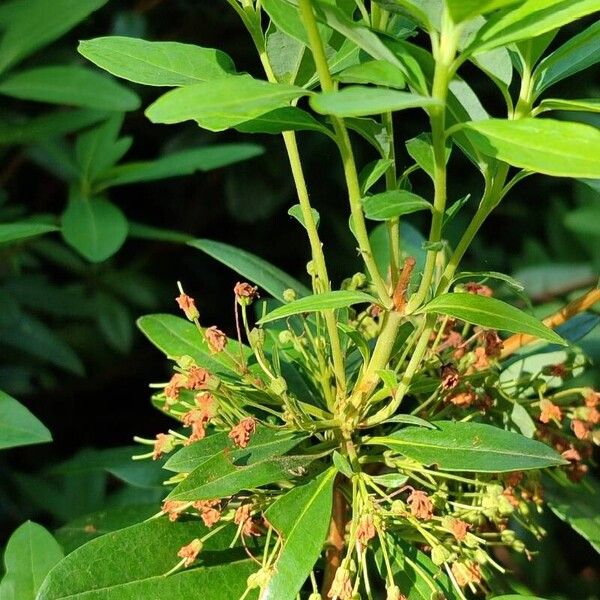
(216, 339)
(173, 508)
(571, 455)
(479, 289)
(195, 419)
(197, 378)
(593, 415)
(450, 377)
(592, 399)
(452, 340)
(240, 434)
(341, 587)
(481, 359)
(366, 530)
(466, 572)
(420, 505)
(172, 388)
(245, 293)
(580, 429)
(210, 511)
(188, 306)
(190, 552)
(463, 398)
(549, 411)
(558, 370)
(459, 529)
(163, 443)
(514, 479)
(207, 404)
(243, 517)
(492, 343)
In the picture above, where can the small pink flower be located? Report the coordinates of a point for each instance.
(216, 339)
(163, 443)
(190, 552)
(210, 511)
(366, 530)
(173, 508)
(197, 378)
(245, 293)
(240, 434)
(188, 305)
(421, 506)
(549, 411)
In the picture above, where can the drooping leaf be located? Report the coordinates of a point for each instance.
(30, 553)
(529, 20)
(579, 53)
(222, 103)
(491, 313)
(31, 26)
(394, 203)
(219, 476)
(168, 64)
(318, 302)
(578, 504)
(474, 447)
(177, 337)
(70, 85)
(81, 530)
(460, 10)
(543, 145)
(356, 101)
(16, 232)
(301, 517)
(49, 125)
(180, 163)
(18, 427)
(296, 212)
(98, 571)
(95, 227)
(375, 72)
(255, 269)
(264, 443)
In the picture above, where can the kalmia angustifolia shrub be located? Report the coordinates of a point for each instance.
(385, 439)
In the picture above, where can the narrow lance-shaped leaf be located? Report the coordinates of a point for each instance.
(98, 571)
(356, 101)
(16, 232)
(301, 517)
(222, 103)
(580, 52)
(317, 302)
(18, 427)
(70, 85)
(156, 63)
(258, 271)
(30, 553)
(461, 10)
(490, 313)
(219, 476)
(474, 447)
(578, 105)
(545, 146)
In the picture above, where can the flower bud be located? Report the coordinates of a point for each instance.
(508, 536)
(315, 596)
(439, 555)
(289, 295)
(393, 593)
(278, 386)
(310, 268)
(257, 337)
(518, 546)
(285, 337)
(358, 280)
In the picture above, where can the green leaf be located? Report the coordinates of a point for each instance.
(286, 55)
(342, 464)
(49, 125)
(222, 103)
(288, 118)
(318, 302)
(70, 85)
(473, 447)
(95, 227)
(81, 530)
(180, 163)
(529, 20)
(546, 146)
(357, 101)
(301, 517)
(515, 597)
(258, 271)
(30, 553)
(156, 63)
(583, 105)
(16, 232)
(99, 148)
(98, 570)
(115, 322)
(264, 443)
(490, 313)
(578, 504)
(460, 10)
(219, 476)
(579, 53)
(372, 173)
(177, 337)
(287, 19)
(394, 203)
(32, 26)
(376, 72)
(18, 427)
(296, 212)
(584, 220)
(148, 232)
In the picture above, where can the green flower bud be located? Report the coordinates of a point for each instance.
(480, 556)
(358, 280)
(518, 546)
(310, 268)
(289, 295)
(397, 507)
(186, 362)
(315, 596)
(508, 536)
(278, 386)
(439, 555)
(285, 337)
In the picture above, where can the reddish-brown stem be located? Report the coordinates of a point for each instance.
(335, 539)
(399, 297)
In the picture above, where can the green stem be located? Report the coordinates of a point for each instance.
(390, 184)
(345, 148)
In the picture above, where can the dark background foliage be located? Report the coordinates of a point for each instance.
(533, 236)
